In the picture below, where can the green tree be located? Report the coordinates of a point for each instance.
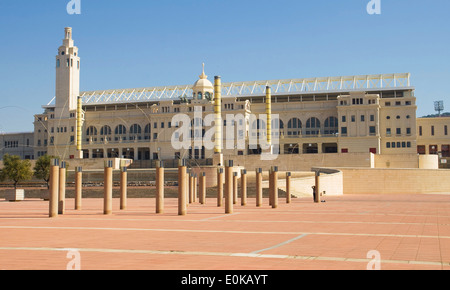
(42, 168)
(15, 169)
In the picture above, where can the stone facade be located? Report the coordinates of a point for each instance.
(322, 122)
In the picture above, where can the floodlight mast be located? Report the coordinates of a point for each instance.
(439, 107)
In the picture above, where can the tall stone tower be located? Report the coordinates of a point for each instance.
(67, 76)
(62, 121)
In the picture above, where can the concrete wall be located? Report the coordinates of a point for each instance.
(304, 162)
(406, 161)
(395, 181)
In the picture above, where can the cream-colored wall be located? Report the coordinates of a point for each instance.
(439, 137)
(395, 181)
(303, 162)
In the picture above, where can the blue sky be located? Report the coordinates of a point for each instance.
(126, 44)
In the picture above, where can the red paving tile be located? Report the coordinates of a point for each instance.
(408, 231)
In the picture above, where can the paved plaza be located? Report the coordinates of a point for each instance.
(408, 232)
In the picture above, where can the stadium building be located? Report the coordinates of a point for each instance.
(332, 118)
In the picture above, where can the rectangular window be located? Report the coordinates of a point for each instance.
(403, 144)
(398, 103)
(155, 125)
(58, 63)
(344, 150)
(421, 150)
(155, 136)
(408, 103)
(372, 118)
(162, 125)
(433, 149)
(445, 150)
(344, 131)
(408, 144)
(388, 132)
(420, 130)
(388, 145)
(353, 119)
(344, 119)
(399, 131)
(445, 130)
(372, 130)
(387, 104)
(363, 118)
(393, 145)
(408, 131)
(432, 130)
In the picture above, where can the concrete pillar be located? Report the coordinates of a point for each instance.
(274, 188)
(220, 173)
(319, 148)
(54, 188)
(317, 188)
(202, 188)
(259, 191)
(62, 188)
(270, 187)
(288, 187)
(191, 188)
(78, 187)
(187, 186)
(195, 189)
(229, 187)
(235, 187)
(159, 187)
(182, 187)
(123, 188)
(244, 187)
(108, 183)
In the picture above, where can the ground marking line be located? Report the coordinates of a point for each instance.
(226, 232)
(213, 219)
(218, 217)
(245, 255)
(280, 245)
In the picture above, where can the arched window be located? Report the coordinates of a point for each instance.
(208, 96)
(91, 131)
(331, 126)
(120, 130)
(105, 131)
(294, 127)
(313, 126)
(148, 132)
(200, 96)
(135, 132)
(135, 129)
(277, 125)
